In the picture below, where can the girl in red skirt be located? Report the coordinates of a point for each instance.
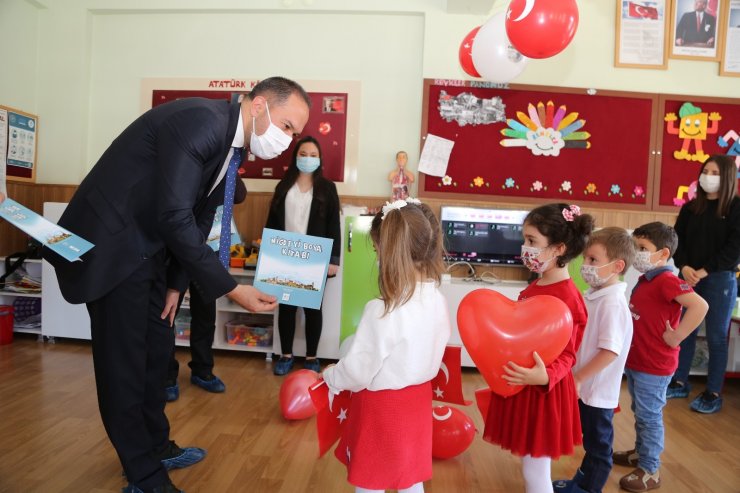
(542, 422)
(397, 350)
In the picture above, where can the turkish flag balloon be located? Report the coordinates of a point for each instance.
(295, 400)
(452, 432)
(496, 330)
(541, 28)
(494, 57)
(465, 53)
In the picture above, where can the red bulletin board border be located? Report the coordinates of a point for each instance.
(622, 129)
(327, 123)
(674, 173)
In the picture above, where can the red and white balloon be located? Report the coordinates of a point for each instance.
(541, 28)
(465, 53)
(494, 57)
(452, 432)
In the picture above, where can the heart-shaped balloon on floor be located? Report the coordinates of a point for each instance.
(295, 400)
(452, 432)
(496, 330)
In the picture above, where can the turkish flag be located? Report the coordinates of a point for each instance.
(447, 385)
(641, 11)
(331, 414)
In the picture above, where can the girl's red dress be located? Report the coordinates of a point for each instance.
(543, 420)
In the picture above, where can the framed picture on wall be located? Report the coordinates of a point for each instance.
(18, 144)
(642, 34)
(696, 29)
(730, 60)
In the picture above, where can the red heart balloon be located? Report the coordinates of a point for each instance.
(465, 53)
(541, 28)
(496, 330)
(295, 400)
(452, 432)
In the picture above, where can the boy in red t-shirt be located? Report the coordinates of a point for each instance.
(656, 304)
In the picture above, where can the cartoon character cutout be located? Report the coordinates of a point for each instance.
(693, 127)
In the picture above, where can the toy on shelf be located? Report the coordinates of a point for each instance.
(250, 262)
(253, 329)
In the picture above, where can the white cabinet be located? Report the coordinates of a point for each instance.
(455, 290)
(59, 318)
(9, 296)
(252, 329)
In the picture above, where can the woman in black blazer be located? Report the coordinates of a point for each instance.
(307, 203)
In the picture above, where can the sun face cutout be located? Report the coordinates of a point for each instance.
(544, 131)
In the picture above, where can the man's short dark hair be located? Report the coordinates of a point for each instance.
(659, 234)
(278, 89)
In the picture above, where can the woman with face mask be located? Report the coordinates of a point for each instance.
(307, 203)
(708, 254)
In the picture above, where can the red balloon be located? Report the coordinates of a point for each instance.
(465, 53)
(295, 401)
(541, 28)
(496, 330)
(452, 432)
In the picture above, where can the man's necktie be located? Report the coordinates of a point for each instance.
(698, 22)
(224, 243)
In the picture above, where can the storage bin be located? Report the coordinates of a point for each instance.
(252, 329)
(6, 324)
(182, 327)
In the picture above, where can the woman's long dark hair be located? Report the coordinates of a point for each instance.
(727, 186)
(291, 174)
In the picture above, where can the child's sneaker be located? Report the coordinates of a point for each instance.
(676, 390)
(563, 486)
(640, 480)
(628, 458)
(707, 403)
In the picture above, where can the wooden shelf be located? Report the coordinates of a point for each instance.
(4, 292)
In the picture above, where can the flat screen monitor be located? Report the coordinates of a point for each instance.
(484, 236)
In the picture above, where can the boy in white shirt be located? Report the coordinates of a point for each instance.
(602, 354)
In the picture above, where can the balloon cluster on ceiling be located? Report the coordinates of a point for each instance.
(499, 50)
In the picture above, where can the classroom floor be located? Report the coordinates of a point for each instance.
(52, 440)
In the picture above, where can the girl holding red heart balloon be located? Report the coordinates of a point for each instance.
(397, 350)
(541, 422)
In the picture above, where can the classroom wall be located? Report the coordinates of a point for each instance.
(18, 52)
(86, 88)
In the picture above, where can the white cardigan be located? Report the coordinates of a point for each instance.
(394, 351)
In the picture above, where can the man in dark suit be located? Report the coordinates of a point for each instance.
(140, 206)
(696, 28)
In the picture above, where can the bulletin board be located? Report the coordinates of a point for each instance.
(678, 172)
(18, 144)
(607, 159)
(327, 123)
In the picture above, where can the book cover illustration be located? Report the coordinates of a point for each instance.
(63, 242)
(293, 267)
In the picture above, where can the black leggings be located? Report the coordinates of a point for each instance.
(286, 325)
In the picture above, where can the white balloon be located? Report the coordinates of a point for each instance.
(494, 57)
